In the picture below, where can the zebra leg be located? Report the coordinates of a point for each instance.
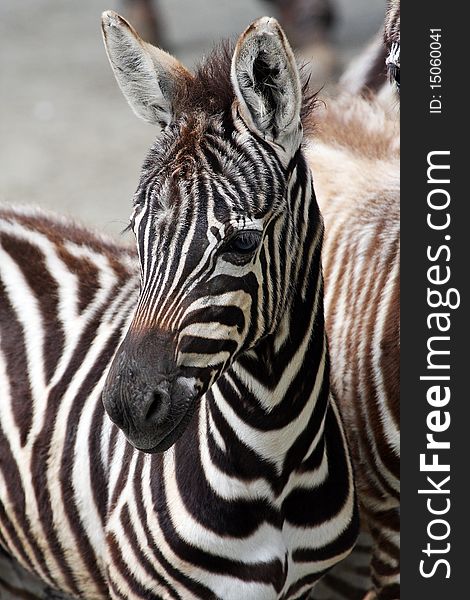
(385, 563)
(145, 17)
(309, 25)
(16, 583)
(306, 20)
(349, 579)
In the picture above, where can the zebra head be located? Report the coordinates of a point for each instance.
(392, 42)
(214, 227)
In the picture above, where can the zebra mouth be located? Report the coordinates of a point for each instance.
(152, 411)
(172, 436)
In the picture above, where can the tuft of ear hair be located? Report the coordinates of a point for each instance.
(266, 80)
(148, 77)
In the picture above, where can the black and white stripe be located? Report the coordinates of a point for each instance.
(362, 291)
(378, 64)
(217, 359)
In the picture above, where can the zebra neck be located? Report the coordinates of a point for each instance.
(275, 397)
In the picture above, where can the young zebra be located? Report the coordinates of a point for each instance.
(359, 137)
(355, 158)
(236, 482)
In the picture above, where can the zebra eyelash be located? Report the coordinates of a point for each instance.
(131, 223)
(243, 236)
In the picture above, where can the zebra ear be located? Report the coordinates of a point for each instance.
(148, 77)
(266, 80)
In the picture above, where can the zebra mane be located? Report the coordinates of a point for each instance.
(210, 92)
(392, 23)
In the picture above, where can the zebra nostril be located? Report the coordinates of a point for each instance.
(154, 406)
(157, 403)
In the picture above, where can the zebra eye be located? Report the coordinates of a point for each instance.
(396, 76)
(245, 242)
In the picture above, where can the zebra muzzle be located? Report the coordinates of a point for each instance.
(149, 400)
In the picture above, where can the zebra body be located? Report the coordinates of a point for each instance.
(66, 299)
(359, 138)
(78, 507)
(215, 357)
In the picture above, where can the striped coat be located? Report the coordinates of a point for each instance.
(66, 298)
(355, 159)
(360, 139)
(78, 508)
(226, 473)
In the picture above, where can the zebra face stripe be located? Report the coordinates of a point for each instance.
(207, 243)
(217, 218)
(392, 41)
(393, 64)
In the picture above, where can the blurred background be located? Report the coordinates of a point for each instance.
(69, 142)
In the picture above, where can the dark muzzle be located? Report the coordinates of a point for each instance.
(146, 395)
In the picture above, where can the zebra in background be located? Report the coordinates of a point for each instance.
(359, 136)
(379, 63)
(355, 158)
(66, 296)
(237, 480)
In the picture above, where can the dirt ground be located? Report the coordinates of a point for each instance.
(68, 141)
